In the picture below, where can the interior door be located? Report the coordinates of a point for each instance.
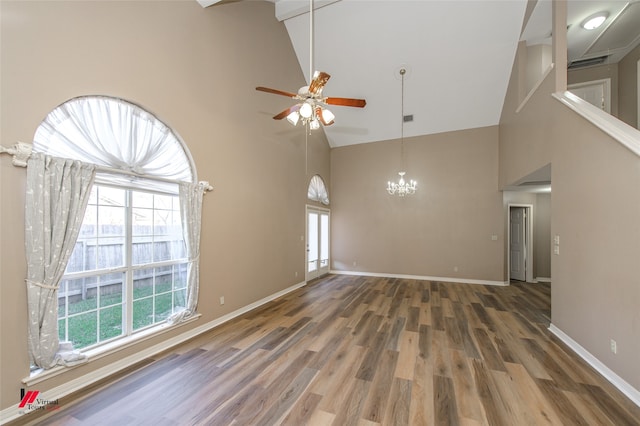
(517, 243)
(317, 250)
(597, 93)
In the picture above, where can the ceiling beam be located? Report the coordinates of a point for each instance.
(207, 3)
(286, 9)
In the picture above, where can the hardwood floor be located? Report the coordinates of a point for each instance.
(348, 350)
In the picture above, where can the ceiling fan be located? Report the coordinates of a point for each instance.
(311, 108)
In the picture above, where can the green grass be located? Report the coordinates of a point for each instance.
(83, 328)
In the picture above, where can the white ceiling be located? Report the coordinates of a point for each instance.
(616, 37)
(458, 54)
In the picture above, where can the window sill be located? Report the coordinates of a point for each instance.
(40, 375)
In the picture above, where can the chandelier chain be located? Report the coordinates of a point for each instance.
(402, 187)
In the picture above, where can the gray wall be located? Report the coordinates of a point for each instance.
(444, 230)
(596, 204)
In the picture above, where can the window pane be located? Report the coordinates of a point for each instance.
(312, 242)
(142, 220)
(81, 295)
(164, 202)
(108, 196)
(76, 261)
(83, 329)
(89, 222)
(178, 249)
(111, 253)
(162, 222)
(324, 239)
(164, 279)
(161, 251)
(142, 199)
(163, 306)
(142, 313)
(180, 299)
(62, 332)
(91, 309)
(141, 251)
(111, 289)
(142, 283)
(110, 322)
(111, 221)
(180, 276)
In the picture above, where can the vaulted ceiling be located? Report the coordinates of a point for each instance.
(458, 55)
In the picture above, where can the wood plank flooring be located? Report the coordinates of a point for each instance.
(366, 351)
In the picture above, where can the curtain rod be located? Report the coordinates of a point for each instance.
(22, 151)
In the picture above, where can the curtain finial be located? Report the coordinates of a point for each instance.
(21, 152)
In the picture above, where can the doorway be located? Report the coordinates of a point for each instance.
(520, 253)
(317, 250)
(597, 93)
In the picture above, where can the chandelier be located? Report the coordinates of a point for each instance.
(402, 187)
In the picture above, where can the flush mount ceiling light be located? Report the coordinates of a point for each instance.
(402, 187)
(594, 21)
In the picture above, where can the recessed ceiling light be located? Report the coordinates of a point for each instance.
(594, 21)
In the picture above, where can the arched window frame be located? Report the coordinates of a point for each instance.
(131, 151)
(317, 191)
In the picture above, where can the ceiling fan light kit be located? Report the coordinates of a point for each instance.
(402, 187)
(311, 110)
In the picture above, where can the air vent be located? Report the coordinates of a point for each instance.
(587, 62)
(407, 118)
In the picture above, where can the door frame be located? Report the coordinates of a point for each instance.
(321, 210)
(528, 231)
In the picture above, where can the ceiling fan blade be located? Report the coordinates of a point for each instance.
(286, 112)
(358, 103)
(318, 82)
(276, 92)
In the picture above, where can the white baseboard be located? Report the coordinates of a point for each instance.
(422, 277)
(75, 385)
(543, 279)
(632, 393)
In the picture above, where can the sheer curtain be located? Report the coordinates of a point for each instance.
(317, 191)
(56, 198)
(116, 134)
(191, 212)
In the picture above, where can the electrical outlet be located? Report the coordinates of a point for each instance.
(455, 269)
(222, 300)
(614, 346)
(296, 274)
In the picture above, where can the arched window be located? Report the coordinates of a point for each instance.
(133, 264)
(317, 191)
(118, 136)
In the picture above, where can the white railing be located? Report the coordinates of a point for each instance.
(617, 129)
